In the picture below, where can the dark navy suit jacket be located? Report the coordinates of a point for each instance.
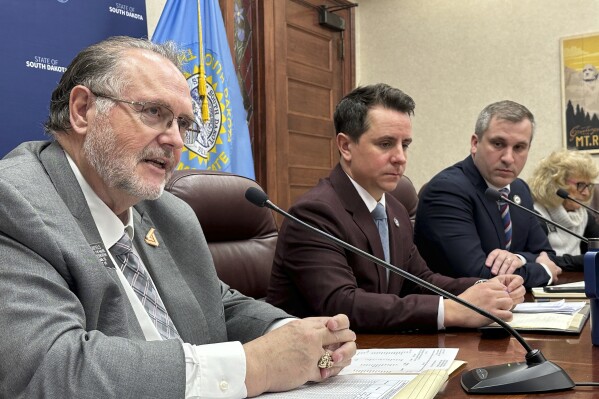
(457, 226)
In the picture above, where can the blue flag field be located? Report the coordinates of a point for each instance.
(223, 143)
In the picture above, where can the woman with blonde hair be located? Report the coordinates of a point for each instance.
(574, 172)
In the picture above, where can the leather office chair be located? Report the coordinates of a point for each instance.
(241, 236)
(407, 195)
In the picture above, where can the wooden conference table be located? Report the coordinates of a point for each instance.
(574, 353)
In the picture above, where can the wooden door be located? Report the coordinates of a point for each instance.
(307, 68)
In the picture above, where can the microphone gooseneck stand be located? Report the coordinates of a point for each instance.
(564, 194)
(536, 374)
(496, 196)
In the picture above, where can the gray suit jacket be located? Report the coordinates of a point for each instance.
(65, 321)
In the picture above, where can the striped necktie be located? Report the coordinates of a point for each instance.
(138, 277)
(504, 209)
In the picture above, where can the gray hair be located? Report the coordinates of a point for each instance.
(505, 110)
(97, 67)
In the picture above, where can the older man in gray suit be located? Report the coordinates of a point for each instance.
(87, 307)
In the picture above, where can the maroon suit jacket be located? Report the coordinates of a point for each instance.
(313, 276)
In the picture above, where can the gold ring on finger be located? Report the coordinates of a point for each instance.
(325, 361)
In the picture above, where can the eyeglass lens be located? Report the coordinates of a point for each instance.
(160, 117)
(580, 186)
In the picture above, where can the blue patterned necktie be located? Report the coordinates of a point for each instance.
(138, 277)
(504, 209)
(380, 218)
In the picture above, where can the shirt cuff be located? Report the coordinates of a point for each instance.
(279, 323)
(441, 315)
(215, 370)
(548, 272)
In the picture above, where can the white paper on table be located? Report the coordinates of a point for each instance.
(562, 306)
(542, 320)
(400, 361)
(383, 386)
(384, 374)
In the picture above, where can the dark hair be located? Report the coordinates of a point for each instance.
(98, 68)
(351, 114)
(506, 110)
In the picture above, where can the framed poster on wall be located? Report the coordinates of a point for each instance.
(580, 92)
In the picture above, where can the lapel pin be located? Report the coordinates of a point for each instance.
(396, 222)
(151, 238)
(517, 199)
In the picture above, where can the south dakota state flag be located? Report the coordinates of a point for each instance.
(224, 141)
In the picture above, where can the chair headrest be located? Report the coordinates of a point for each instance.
(218, 200)
(241, 236)
(407, 195)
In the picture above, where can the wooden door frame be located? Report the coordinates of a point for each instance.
(268, 28)
(270, 40)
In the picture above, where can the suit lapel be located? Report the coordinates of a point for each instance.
(180, 302)
(55, 161)
(395, 246)
(57, 166)
(354, 204)
(480, 186)
(520, 193)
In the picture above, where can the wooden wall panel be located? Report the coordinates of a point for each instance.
(303, 76)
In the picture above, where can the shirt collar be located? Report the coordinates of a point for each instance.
(496, 188)
(368, 199)
(109, 225)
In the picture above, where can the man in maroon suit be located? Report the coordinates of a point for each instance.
(313, 276)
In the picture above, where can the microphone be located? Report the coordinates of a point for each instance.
(496, 196)
(564, 194)
(537, 374)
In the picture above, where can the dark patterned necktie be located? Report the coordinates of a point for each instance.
(138, 277)
(504, 209)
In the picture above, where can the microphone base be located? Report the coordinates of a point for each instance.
(514, 378)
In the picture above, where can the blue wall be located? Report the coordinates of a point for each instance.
(39, 40)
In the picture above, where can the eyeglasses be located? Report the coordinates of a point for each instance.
(160, 117)
(580, 185)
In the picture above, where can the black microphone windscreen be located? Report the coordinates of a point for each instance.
(493, 194)
(562, 193)
(256, 196)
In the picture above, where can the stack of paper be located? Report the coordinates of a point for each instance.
(557, 317)
(561, 307)
(400, 361)
(384, 373)
(542, 321)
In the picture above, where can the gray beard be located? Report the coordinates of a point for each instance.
(115, 166)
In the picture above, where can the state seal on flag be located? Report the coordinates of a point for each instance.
(206, 139)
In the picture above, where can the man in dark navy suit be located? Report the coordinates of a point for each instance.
(460, 232)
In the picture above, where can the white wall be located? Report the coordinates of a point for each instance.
(153, 11)
(455, 57)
